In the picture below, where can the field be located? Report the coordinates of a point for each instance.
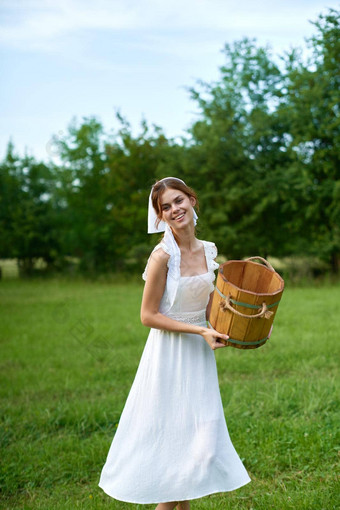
(69, 353)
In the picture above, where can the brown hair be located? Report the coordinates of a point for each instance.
(172, 183)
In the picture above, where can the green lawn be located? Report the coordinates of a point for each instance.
(69, 353)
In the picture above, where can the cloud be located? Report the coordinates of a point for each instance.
(46, 22)
(46, 25)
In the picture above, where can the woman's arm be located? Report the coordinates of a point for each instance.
(152, 295)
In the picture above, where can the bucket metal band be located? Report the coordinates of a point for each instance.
(241, 342)
(246, 305)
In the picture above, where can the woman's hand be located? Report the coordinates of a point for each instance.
(214, 339)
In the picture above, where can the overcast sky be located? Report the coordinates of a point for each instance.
(77, 58)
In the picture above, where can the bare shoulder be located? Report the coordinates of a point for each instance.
(159, 258)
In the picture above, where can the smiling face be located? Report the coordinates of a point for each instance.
(177, 208)
(170, 193)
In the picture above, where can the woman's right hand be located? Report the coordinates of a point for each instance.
(214, 339)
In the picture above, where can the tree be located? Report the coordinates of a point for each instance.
(27, 219)
(83, 189)
(133, 164)
(312, 106)
(238, 149)
(106, 182)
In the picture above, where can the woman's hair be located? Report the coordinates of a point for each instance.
(172, 183)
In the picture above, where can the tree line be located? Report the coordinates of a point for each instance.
(263, 156)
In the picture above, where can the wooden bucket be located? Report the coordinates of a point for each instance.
(245, 301)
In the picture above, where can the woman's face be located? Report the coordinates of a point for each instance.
(177, 208)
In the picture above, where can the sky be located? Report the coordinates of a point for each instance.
(73, 59)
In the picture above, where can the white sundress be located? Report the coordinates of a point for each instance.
(172, 441)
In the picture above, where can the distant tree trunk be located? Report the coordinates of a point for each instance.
(335, 262)
(26, 266)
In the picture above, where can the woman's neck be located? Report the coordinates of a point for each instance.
(186, 239)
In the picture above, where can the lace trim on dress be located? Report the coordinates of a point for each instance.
(211, 254)
(189, 317)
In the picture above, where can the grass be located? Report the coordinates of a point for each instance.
(69, 353)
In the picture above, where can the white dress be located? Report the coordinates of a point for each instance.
(172, 441)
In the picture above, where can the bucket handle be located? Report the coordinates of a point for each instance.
(264, 313)
(266, 263)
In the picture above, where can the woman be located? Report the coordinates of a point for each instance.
(172, 443)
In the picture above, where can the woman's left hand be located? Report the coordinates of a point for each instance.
(214, 339)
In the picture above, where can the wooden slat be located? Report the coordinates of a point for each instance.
(233, 271)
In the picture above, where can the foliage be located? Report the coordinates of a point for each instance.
(239, 148)
(267, 149)
(312, 107)
(28, 220)
(263, 157)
